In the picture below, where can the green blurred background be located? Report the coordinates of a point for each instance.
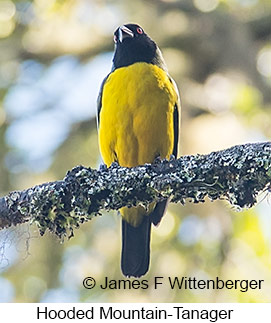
(53, 57)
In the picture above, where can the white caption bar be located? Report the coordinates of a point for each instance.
(139, 312)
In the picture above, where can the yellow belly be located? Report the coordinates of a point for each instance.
(136, 120)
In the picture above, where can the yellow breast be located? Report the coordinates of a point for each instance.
(136, 119)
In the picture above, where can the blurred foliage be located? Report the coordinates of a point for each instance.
(53, 57)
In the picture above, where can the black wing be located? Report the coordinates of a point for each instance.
(176, 125)
(176, 120)
(99, 99)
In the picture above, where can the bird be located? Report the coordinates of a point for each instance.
(138, 116)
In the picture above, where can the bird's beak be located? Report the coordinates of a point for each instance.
(125, 32)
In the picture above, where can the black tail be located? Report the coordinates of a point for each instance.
(135, 256)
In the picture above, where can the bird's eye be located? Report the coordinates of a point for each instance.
(115, 38)
(139, 30)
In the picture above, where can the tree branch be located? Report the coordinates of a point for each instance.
(236, 174)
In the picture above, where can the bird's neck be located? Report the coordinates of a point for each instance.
(128, 55)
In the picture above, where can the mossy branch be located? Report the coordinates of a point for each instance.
(236, 174)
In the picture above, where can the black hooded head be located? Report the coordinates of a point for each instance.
(134, 45)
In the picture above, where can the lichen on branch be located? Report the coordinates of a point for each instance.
(236, 174)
